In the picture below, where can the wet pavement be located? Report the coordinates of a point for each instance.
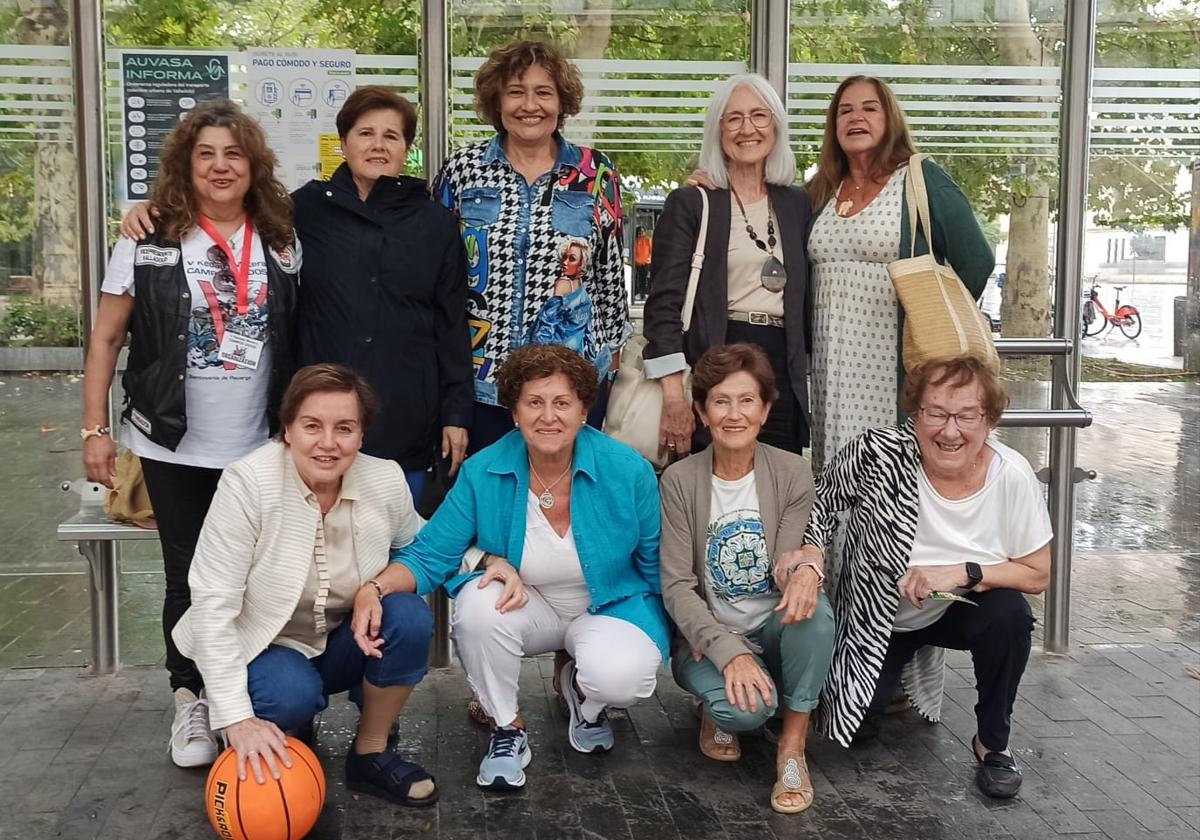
(1108, 735)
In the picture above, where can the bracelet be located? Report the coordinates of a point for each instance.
(95, 431)
(378, 587)
(810, 564)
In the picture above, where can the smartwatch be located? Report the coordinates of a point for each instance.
(974, 575)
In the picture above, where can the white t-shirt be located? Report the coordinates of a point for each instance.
(1005, 519)
(550, 564)
(226, 403)
(737, 569)
(744, 287)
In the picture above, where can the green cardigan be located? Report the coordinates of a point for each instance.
(957, 240)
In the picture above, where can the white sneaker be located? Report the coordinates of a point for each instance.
(192, 741)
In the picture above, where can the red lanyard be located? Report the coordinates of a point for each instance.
(240, 270)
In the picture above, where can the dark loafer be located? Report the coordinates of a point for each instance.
(997, 775)
(388, 776)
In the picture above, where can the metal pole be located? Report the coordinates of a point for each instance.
(87, 54)
(435, 113)
(1072, 207)
(102, 559)
(435, 84)
(769, 30)
(87, 61)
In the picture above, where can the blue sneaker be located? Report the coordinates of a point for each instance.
(503, 768)
(584, 737)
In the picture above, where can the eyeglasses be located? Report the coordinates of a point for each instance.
(965, 420)
(760, 118)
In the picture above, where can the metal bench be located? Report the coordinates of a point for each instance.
(98, 537)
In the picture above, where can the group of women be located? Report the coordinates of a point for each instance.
(287, 404)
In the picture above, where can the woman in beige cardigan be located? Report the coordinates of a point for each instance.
(755, 631)
(295, 536)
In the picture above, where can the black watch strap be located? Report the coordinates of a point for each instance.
(974, 575)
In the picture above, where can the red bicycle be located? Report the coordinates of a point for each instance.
(1096, 318)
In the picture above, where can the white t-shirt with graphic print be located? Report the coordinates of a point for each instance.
(226, 402)
(737, 569)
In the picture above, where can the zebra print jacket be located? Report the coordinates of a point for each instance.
(874, 477)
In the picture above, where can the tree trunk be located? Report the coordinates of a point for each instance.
(1025, 306)
(55, 249)
(595, 29)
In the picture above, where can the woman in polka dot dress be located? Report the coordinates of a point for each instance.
(863, 225)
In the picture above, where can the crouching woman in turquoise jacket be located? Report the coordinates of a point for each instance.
(568, 523)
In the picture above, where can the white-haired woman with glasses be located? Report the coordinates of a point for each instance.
(754, 284)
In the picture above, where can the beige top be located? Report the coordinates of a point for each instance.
(746, 292)
(333, 577)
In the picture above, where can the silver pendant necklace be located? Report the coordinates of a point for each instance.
(546, 499)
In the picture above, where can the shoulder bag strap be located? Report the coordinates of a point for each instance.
(918, 204)
(689, 299)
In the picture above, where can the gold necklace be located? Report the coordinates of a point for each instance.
(546, 499)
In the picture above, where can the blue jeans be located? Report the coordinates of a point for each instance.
(416, 484)
(795, 656)
(289, 689)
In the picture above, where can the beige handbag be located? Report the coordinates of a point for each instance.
(634, 413)
(941, 319)
(129, 500)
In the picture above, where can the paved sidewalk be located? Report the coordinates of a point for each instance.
(1108, 735)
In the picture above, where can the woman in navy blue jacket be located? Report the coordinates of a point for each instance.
(384, 287)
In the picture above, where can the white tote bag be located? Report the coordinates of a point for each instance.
(635, 405)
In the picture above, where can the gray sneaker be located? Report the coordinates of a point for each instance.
(503, 768)
(584, 737)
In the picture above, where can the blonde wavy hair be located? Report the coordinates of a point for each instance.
(267, 203)
(892, 152)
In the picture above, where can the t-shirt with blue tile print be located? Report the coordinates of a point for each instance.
(737, 567)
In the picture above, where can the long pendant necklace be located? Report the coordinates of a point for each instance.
(773, 275)
(546, 499)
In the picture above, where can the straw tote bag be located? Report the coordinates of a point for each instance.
(635, 404)
(941, 320)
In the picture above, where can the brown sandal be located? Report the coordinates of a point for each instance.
(712, 740)
(793, 778)
(477, 714)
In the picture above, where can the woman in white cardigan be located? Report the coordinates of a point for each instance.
(297, 532)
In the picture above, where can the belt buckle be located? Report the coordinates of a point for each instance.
(760, 318)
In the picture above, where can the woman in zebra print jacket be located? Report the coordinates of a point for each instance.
(947, 527)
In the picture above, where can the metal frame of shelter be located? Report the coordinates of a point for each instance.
(770, 32)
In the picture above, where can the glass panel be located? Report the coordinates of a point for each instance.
(979, 83)
(1146, 132)
(648, 72)
(39, 292)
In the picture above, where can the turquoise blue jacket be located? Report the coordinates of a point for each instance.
(614, 519)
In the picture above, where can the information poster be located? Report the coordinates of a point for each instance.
(157, 91)
(296, 94)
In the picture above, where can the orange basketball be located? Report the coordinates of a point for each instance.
(278, 810)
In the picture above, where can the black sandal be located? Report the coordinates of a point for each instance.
(388, 776)
(998, 775)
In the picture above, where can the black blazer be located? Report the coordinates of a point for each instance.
(675, 239)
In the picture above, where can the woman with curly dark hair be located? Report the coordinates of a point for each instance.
(568, 522)
(209, 301)
(541, 222)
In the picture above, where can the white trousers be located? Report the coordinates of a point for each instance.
(616, 662)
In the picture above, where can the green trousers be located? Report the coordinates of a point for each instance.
(796, 656)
